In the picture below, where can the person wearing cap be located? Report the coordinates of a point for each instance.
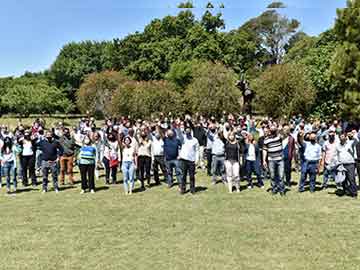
(188, 157)
(328, 161)
(312, 157)
(273, 153)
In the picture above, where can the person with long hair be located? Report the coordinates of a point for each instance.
(8, 163)
(129, 164)
(232, 162)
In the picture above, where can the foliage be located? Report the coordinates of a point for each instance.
(25, 96)
(345, 68)
(142, 99)
(284, 89)
(277, 5)
(274, 30)
(213, 90)
(75, 61)
(187, 4)
(96, 92)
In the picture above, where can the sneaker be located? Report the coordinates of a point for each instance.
(238, 190)
(56, 190)
(92, 191)
(250, 187)
(8, 191)
(15, 190)
(44, 191)
(82, 191)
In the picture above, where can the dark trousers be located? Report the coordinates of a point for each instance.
(159, 161)
(349, 184)
(144, 169)
(287, 171)
(253, 167)
(28, 166)
(87, 172)
(113, 171)
(53, 168)
(209, 161)
(188, 167)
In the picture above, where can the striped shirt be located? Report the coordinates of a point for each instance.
(274, 148)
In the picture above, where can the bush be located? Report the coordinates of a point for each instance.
(213, 90)
(284, 90)
(142, 99)
(95, 94)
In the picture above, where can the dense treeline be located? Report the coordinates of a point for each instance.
(183, 63)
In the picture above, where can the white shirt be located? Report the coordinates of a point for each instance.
(251, 156)
(189, 149)
(157, 147)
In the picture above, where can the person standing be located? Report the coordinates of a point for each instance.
(232, 164)
(345, 151)
(172, 146)
(289, 153)
(51, 150)
(8, 163)
(128, 164)
(209, 144)
(111, 158)
(312, 157)
(144, 159)
(200, 135)
(188, 157)
(67, 159)
(87, 162)
(157, 147)
(328, 161)
(253, 161)
(27, 158)
(273, 152)
(218, 158)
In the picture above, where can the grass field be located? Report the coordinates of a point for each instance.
(160, 229)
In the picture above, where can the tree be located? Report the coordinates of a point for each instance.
(25, 98)
(96, 91)
(187, 4)
(75, 61)
(345, 68)
(213, 90)
(274, 31)
(276, 5)
(142, 99)
(284, 89)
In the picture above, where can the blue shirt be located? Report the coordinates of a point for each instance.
(171, 148)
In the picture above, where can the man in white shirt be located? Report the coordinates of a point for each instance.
(188, 158)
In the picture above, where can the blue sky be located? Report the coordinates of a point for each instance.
(33, 32)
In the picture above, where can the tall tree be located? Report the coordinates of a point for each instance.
(345, 66)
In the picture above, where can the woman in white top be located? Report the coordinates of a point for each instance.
(111, 158)
(8, 163)
(128, 164)
(144, 159)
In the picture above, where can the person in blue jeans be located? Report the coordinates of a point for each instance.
(312, 157)
(273, 152)
(128, 164)
(8, 163)
(252, 161)
(172, 145)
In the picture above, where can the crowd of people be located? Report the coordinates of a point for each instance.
(229, 149)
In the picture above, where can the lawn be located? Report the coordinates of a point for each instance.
(160, 229)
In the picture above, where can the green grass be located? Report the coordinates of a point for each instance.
(159, 229)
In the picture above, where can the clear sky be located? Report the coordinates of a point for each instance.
(33, 32)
